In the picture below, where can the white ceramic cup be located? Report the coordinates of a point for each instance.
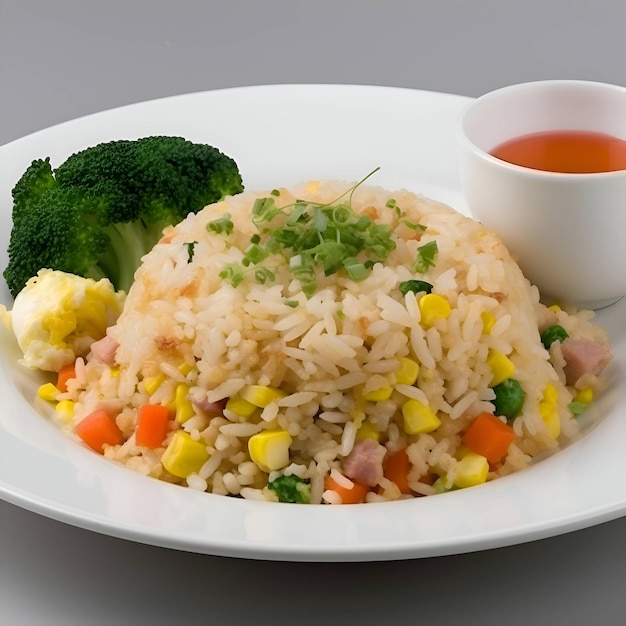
(568, 231)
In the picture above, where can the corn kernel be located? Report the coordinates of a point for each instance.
(269, 449)
(367, 431)
(48, 392)
(585, 396)
(184, 368)
(550, 416)
(419, 418)
(312, 186)
(184, 455)
(550, 394)
(261, 395)
(549, 411)
(433, 307)
(152, 383)
(461, 451)
(555, 308)
(241, 407)
(472, 470)
(182, 404)
(378, 395)
(501, 367)
(358, 412)
(65, 411)
(408, 372)
(428, 375)
(488, 321)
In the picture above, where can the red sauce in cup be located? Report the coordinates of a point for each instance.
(565, 151)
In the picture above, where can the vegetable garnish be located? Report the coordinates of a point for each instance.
(414, 286)
(577, 408)
(426, 257)
(315, 237)
(509, 399)
(552, 334)
(392, 204)
(190, 250)
(152, 425)
(349, 495)
(222, 225)
(397, 467)
(489, 437)
(65, 374)
(99, 430)
(291, 488)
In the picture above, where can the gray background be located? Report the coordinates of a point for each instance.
(63, 59)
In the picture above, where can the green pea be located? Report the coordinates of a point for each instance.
(577, 408)
(509, 399)
(552, 334)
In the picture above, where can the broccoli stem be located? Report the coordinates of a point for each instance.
(128, 243)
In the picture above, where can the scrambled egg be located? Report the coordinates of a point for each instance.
(57, 316)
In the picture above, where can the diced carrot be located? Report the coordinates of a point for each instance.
(99, 429)
(152, 425)
(353, 495)
(396, 469)
(67, 372)
(490, 437)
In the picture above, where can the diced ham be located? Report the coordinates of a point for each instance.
(210, 408)
(365, 463)
(584, 357)
(105, 349)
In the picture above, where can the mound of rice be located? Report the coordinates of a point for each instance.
(192, 340)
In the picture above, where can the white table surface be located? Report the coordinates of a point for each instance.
(60, 59)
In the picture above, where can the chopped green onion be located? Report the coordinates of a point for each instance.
(320, 221)
(414, 286)
(190, 250)
(356, 270)
(255, 254)
(313, 237)
(233, 273)
(263, 275)
(264, 210)
(413, 225)
(222, 226)
(426, 256)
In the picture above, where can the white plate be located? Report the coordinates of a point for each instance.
(281, 135)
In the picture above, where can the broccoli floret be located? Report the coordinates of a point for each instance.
(291, 489)
(105, 207)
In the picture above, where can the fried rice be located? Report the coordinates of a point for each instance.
(321, 357)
